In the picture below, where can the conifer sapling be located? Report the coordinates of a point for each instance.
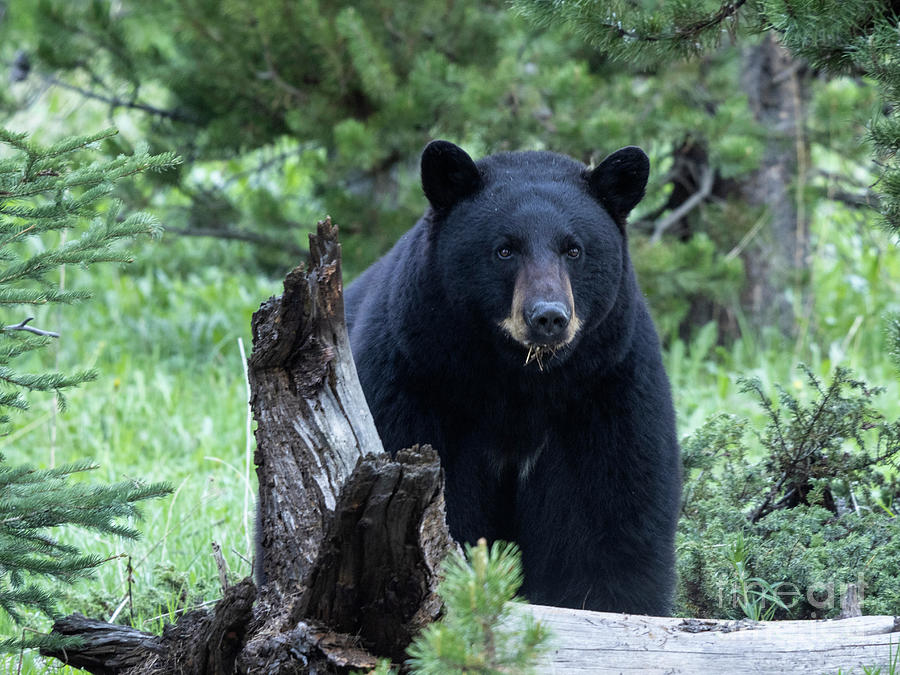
(44, 191)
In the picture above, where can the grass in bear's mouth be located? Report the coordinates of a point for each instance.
(537, 353)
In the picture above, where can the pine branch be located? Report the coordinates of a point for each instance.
(117, 102)
(476, 632)
(689, 31)
(41, 296)
(626, 30)
(31, 329)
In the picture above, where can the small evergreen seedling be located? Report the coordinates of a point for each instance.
(479, 633)
(43, 191)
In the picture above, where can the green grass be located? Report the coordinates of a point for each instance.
(171, 403)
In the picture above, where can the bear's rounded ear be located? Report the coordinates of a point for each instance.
(620, 180)
(448, 174)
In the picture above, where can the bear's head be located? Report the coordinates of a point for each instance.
(531, 244)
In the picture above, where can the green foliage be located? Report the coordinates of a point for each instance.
(835, 36)
(677, 275)
(811, 514)
(383, 668)
(41, 192)
(894, 336)
(44, 191)
(808, 451)
(475, 635)
(225, 78)
(648, 31)
(757, 598)
(33, 502)
(352, 94)
(291, 111)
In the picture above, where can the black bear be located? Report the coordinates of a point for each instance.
(507, 330)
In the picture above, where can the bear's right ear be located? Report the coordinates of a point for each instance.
(448, 174)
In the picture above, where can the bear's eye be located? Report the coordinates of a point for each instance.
(573, 252)
(504, 253)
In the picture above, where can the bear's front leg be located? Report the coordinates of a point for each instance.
(480, 495)
(596, 529)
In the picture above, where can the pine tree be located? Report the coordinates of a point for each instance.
(320, 107)
(833, 36)
(357, 88)
(339, 102)
(45, 191)
(477, 634)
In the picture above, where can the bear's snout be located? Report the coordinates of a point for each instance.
(547, 322)
(542, 315)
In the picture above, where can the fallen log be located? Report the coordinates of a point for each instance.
(600, 642)
(353, 540)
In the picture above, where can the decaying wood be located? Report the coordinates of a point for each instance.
(586, 642)
(599, 642)
(374, 577)
(107, 648)
(313, 424)
(353, 540)
(200, 643)
(364, 584)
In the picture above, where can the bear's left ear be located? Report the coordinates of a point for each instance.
(448, 174)
(620, 180)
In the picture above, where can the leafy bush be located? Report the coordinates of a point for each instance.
(809, 516)
(680, 274)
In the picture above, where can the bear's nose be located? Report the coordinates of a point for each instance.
(547, 321)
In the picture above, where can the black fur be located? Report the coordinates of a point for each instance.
(576, 458)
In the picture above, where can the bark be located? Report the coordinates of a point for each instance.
(693, 180)
(313, 424)
(777, 87)
(201, 642)
(363, 584)
(599, 642)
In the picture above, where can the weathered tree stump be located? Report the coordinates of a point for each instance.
(352, 539)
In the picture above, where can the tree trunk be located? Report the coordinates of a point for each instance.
(776, 85)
